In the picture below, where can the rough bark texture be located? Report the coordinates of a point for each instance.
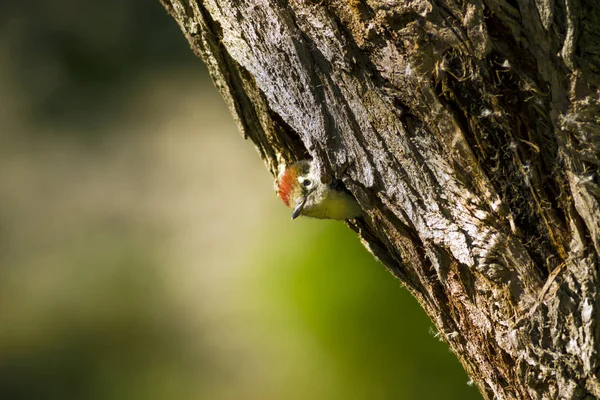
(469, 131)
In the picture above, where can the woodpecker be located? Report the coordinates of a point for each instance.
(301, 189)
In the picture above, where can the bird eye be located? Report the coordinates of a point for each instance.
(306, 182)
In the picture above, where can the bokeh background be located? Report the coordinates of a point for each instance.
(143, 252)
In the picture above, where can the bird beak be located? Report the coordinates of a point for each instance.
(298, 209)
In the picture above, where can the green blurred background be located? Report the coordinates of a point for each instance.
(143, 252)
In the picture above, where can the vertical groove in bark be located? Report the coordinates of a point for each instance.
(468, 131)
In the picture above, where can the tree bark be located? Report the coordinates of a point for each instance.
(469, 132)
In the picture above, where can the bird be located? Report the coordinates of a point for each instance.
(301, 189)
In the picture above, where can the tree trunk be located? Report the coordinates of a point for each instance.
(469, 132)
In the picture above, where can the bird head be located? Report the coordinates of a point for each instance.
(301, 189)
(295, 186)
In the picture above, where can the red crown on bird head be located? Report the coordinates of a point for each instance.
(286, 184)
